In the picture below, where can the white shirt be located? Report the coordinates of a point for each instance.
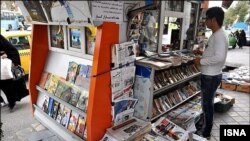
(214, 56)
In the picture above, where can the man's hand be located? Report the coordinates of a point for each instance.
(197, 61)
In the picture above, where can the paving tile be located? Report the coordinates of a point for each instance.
(217, 138)
(40, 128)
(242, 113)
(228, 119)
(53, 138)
(218, 124)
(34, 125)
(218, 120)
(212, 139)
(247, 118)
(232, 123)
(24, 134)
(232, 114)
(239, 119)
(216, 132)
(36, 136)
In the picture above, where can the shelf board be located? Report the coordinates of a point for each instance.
(57, 124)
(156, 117)
(61, 101)
(175, 84)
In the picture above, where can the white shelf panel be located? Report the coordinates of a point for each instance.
(61, 101)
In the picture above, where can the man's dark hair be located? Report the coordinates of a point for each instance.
(217, 13)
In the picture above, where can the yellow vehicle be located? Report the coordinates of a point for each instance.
(22, 41)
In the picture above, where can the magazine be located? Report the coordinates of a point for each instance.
(43, 79)
(130, 129)
(65, 116)
(80, 126)
(35, 10)
(55, 109)
(67, 94)
(125, 53)
(50, 107)
(53, 84)
(122, 105)
(81, 75)
(75, 95)
(61, 87)
(73, 121)
(45, 104)
(83, 100)
(60, 113)
(72, 71)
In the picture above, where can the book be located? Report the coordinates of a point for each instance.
(83, 100)
(33, 8)
(45, 104)
(67, 94)
(72, 71)
(65, 116)
(50, 106)
(76, 92)
(60, 113)
(81, 75)
(55, 109)
(73, 121)
(43, 79)
(89, 71)
(61, 87)
(47, 81)
(80, 128)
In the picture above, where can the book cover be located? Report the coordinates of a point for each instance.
(76, 92)
(67, 94)
(55, 109)
(60, 113)
(81, 75)
(61, 87)
(83, 100)
(81, 124)
(45, 104)
(50, 107)
(47, 81)
(72, 71)
(53, 84)
(43, 79)
(65, 116)
(73, 121)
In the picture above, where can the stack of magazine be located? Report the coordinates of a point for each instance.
(122, 81)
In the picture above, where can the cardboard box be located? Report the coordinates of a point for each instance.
(245, 88)
(228, 86)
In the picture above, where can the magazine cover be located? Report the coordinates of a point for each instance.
(65, 116)
(43, 79)
(50, 107)
(123, 116)
(89, 71)
(76, 92)
(57, 36)
(72, 71)
(35, 10)
(83, 100)
(53, 84)
(45, 104)
(73, 121)
(67, 94)
(123, 105)
(60, 113)
(47, 81)
(55, 109)
(81, 75)
(80, 126)
(61, 87)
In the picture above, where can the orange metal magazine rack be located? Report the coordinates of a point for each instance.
(99, 104)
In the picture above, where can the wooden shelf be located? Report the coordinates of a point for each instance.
(56, 123)
(158, 116)
(61, 101)
(175, 84)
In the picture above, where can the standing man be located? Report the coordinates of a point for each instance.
(212, 62)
